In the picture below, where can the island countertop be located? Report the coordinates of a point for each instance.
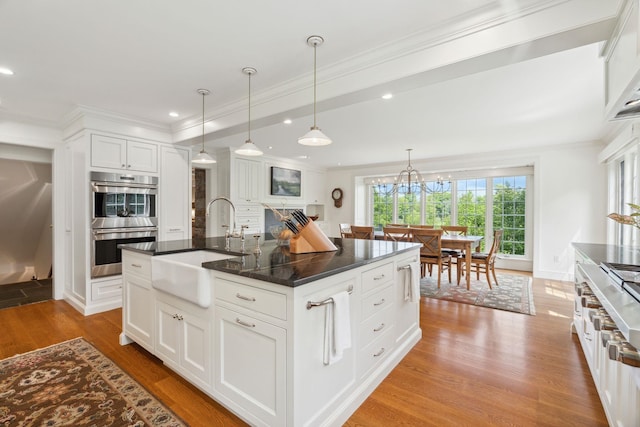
(275, 263)
(600, 252)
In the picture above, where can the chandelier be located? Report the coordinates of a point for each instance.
(410, 181)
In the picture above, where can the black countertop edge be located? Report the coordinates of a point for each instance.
(275, 264)
(601, 252)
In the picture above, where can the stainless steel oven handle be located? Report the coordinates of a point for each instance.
(124, 230)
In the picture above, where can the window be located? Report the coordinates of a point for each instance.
(509, 212)
(483, 200)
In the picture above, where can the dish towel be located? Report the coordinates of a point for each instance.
(337, 328)
(412, 283)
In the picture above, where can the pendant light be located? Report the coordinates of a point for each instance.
(249, 148)
(314, 137)
(203, 157)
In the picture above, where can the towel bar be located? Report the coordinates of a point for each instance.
(404, 267)
(311, 304)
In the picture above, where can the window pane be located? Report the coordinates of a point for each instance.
(409, 208)
(382, 205)
(471, 200)
(509, 212)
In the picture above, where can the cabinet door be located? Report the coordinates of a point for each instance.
(195, 349)
(175, 194)
(250, 365)
(247, 180)
(138, 308)
(167, 333)
(108, 152)
(142, 156)
(314, 187)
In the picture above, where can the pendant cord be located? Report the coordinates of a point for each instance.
(203, 121)
(249, 124)
(314, 84)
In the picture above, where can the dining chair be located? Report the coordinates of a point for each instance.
(454, 230)
(484, 262)
(397, 225)
(431, 252)
(362, 232)
(421, 226)
(397, 234)
(345, 230)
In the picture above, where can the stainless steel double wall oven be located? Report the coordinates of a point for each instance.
(123, 211)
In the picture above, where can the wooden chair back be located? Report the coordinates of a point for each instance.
(362, 232)
(431, 241)
(495, 246)
(460, 230)
(397, 234)
(421, 226)
(345, 230)
(397, 225)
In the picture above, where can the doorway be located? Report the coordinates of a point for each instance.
(26, 247)
(198, 203)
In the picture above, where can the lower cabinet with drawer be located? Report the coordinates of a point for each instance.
(138, 300)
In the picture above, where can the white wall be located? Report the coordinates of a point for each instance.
(569, 197)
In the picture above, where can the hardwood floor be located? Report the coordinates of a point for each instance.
(474, 366)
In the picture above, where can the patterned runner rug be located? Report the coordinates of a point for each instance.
(513, 293)
(73, 384)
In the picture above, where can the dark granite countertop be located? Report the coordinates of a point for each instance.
(275, 263)
(599, 253)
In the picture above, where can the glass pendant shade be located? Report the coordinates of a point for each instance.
(314, 137)
(203, 158)
(249, 148)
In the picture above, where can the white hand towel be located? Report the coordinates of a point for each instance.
(412, 283)
(337, 327)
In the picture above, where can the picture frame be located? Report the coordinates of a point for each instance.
(285, 182)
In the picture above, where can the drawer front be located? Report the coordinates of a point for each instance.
(376, 325)
(256, 299)
(376, 352)
(248, 210)
(106, 290)
(377, 302)
(376, 277)
(251, 222)
(140, 265)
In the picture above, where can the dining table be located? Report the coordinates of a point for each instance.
(468, 244)
(465, 243)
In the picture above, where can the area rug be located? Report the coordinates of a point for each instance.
(513, 293)
(73, 384)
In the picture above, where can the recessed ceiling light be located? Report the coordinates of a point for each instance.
(387, 96)
(304, 157)
(174, 114)
(270, 147)
(287, 121)
(6, 71)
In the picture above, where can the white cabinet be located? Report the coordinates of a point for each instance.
(138, 299)
(622, 59)
(174, 195)
(314, 187)
(183, 338)
(251, 364)
(121, 154)
(249, 215)
(247, 180)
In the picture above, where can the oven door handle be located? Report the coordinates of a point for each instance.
(124, 230)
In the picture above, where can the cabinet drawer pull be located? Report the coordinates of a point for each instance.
(380, 277)
(382, 301)
(243, 323)
(136, 265)
(379, 353)
(252, 299)
(379, 328)
(174, 229)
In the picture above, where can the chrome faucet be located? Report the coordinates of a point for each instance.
(228, 234)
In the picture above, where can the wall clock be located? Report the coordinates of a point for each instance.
(336, 195)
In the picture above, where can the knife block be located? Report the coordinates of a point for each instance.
(310, 239)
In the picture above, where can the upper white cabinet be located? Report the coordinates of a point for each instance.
(247, 180)
(116, 153)
(175, 198)
(622, 59)
(314, 187)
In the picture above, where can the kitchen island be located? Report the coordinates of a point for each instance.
(251, 329)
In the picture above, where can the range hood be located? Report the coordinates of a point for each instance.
(630, 108)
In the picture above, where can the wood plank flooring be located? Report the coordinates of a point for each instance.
(473, 367)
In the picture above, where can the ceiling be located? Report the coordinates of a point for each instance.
(471, 76)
